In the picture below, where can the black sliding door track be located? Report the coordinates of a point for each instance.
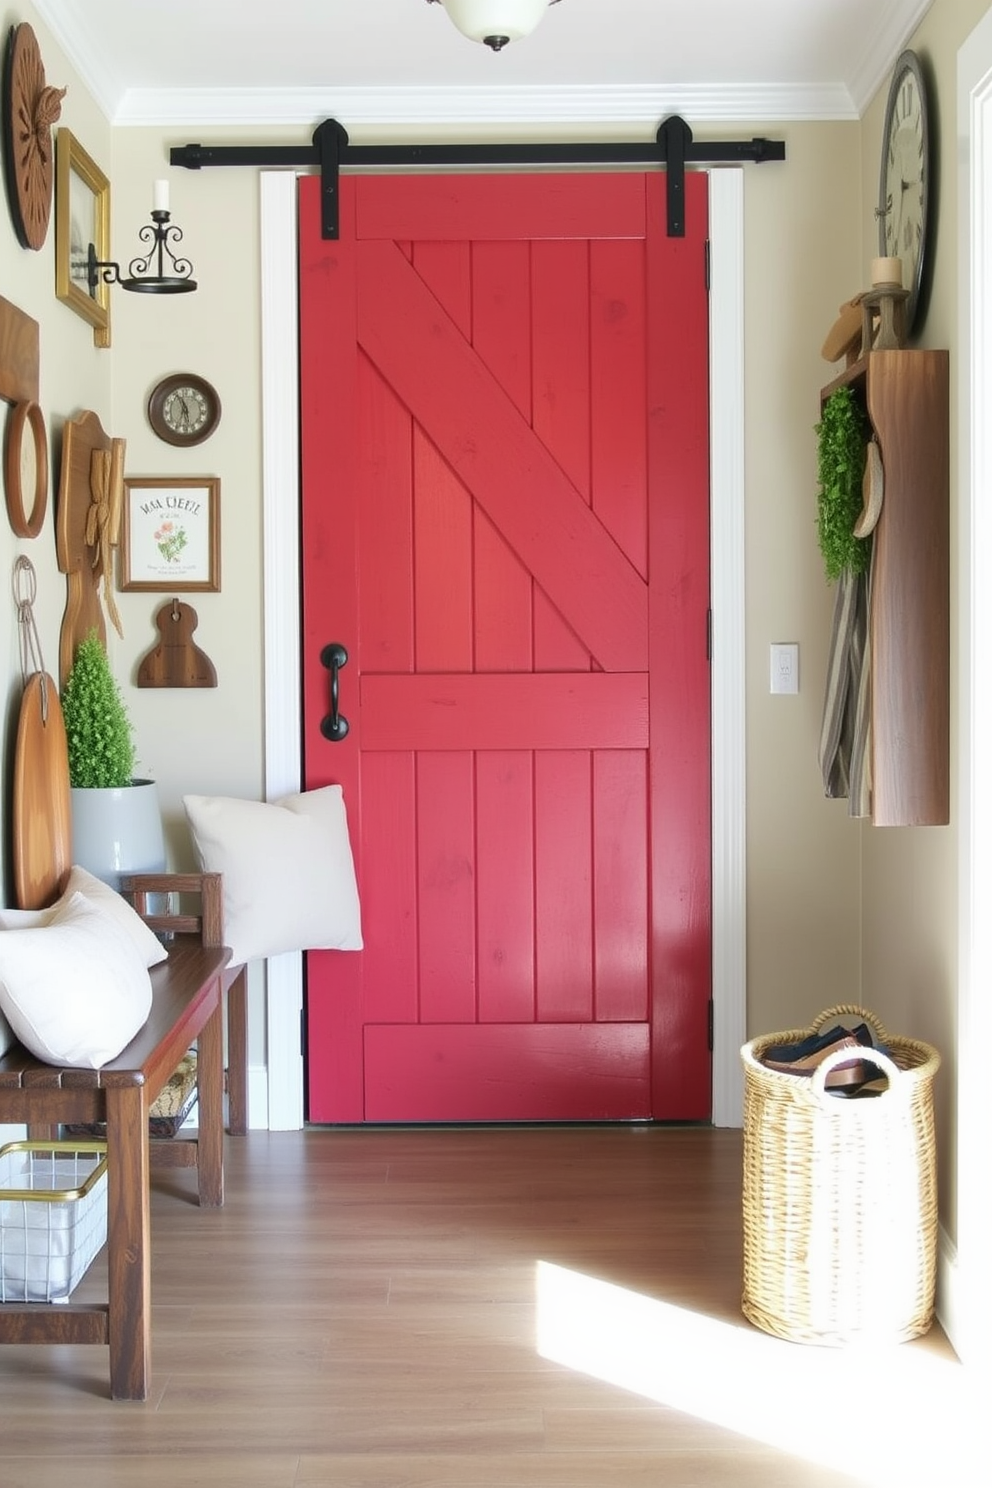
(331, 151)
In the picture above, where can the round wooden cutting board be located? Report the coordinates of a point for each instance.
(42, 819)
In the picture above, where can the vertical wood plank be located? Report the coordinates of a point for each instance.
(620, 889)
(442, 556)
(556, 646)
(505, 807)
(328, 417)
(335, 1036)
(501, 310)
(560, 319)
(330, 476)
(563, 849)
(501, 304)
(560, 353)
(618, 398)
(503, 601)
(385, 504)
(678, 466)
(389, 888)
(446, 269)
(446, 886)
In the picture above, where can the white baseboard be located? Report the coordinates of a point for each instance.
(258, 1097)
(963, 1327)
(258, 1101)
(948, 1307)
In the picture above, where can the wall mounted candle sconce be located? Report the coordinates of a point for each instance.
(160, 271)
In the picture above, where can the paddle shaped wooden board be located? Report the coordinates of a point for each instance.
(42, 817)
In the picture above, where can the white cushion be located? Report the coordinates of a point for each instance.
(75, 990)
(289, 876)
(102, 897)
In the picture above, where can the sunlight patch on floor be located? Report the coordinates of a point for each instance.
(885, 1414)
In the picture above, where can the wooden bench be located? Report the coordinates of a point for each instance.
(143, 889)
(187, 1004)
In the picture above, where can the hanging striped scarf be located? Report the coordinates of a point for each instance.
(845, 734)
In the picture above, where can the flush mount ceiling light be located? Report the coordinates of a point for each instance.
(495, 22)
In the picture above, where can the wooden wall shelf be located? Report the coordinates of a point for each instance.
(905, 394)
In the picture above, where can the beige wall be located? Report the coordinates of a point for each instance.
(74, 376)
(803, 876)
(836, 911)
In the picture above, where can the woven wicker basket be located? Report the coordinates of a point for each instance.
(840, 1195)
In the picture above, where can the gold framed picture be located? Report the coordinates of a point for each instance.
(82, 217)
(170, 534)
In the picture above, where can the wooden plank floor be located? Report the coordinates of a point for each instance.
(472, 1308)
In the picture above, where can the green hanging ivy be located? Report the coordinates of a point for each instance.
(843, 433)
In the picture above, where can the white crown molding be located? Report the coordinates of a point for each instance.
(83, 51)
(885, 31)
(631, 106)
(881, 48)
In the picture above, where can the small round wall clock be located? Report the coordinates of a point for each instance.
(183, 409)
(904, 200)
(29, 110)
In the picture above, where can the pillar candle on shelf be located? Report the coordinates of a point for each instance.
(886, 271)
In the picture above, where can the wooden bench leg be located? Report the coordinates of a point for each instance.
(128, 1242)
(210, 1104)
(43, 1131)
(237, 1054)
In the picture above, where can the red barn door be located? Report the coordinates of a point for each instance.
(505, 524)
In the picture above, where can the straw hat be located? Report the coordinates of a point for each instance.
(845, 333)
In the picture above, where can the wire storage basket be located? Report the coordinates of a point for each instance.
(840, 1194)
(53, 1217)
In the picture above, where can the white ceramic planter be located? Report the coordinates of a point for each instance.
(117, 831)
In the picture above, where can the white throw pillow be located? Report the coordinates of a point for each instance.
(75, 991)
(289, 876)
(102, 897)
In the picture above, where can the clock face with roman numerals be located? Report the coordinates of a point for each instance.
(183, 409)
(904, 184)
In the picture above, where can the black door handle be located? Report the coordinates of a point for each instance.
(334, 725)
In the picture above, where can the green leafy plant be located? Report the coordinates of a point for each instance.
(99, 731)
(843, 434)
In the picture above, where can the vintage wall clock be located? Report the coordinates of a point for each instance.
(183, 409)
(905, 205)
(29, 110)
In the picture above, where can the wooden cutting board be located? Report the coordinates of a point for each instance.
(42, 815)
(176, 661)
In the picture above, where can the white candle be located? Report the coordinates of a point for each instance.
(886, 271)
(160, 196)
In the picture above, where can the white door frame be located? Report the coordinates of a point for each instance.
(966, 1301)
(282, 634)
